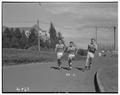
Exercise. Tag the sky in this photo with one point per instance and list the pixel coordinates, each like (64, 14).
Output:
(76, 21)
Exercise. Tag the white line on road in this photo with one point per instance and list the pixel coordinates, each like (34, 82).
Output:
(68, 74)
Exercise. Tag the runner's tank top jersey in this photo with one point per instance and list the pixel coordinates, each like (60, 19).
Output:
(71, 49)
(60, 47)
(92, 48)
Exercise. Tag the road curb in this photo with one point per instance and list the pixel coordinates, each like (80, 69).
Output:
(99, 84)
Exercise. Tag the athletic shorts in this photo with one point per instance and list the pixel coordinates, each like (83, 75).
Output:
(59, 55)
(90, 55)
(71, 56)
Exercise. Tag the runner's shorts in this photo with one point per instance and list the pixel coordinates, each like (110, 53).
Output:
(90, 55)
(59, 55)
(71, 56)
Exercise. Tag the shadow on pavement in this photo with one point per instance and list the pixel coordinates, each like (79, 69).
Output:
(56, 68)
(66, 68)
(97, 89)
(80, 69)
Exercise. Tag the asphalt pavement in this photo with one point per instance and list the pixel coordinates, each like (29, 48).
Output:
(45, 77)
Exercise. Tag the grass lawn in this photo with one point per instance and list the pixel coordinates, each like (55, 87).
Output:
(19, 56)
(24, 56)
(107, 69)
(109, 78)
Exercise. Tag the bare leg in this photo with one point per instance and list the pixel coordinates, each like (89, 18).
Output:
(91, 61)
(70, 62)
(59, 62)
(87, 62)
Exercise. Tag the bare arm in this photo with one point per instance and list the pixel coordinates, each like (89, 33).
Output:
(88, 46)
(96, 47)
(76, 51)
(56, 48)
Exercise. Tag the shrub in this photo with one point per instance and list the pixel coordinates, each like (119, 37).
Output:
(82, 52)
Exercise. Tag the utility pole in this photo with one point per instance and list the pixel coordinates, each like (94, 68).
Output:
(114, 37)
(38, 35)
(96, 34)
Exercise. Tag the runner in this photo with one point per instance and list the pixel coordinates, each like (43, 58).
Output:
(92, 47)
(59, 50)
(72, 51)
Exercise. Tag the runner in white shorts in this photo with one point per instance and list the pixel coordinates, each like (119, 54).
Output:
(72, 51)
(92, 47)
(59, 49)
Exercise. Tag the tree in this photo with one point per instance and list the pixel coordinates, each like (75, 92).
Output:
(18, 36)
(18, 33)
(53, 37)
(12, 30)
(24, 40)
(6, 38)
(14, 42)
(32, 40)
(60, 37)
(5, 41)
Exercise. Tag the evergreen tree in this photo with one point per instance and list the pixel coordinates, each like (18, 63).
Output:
(18, 36)
(14, 42)
(60, 37)
(6, 38)
(24, 40)
(53, 37)
(32, 40)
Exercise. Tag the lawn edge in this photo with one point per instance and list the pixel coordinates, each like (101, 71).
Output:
(100, 86)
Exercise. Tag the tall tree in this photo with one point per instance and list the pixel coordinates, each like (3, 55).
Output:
(18, 33)
(18, 36)
(53, 37)
(24, 40)
(32, 40)
(6, 38)
(14, 42)
(60, 37)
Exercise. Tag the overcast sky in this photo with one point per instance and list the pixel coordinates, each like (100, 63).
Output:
(76, 21)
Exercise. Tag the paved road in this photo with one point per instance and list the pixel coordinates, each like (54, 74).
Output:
(44, 77)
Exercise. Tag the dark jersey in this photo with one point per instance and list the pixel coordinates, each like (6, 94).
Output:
(92, 48)
(71, 50)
